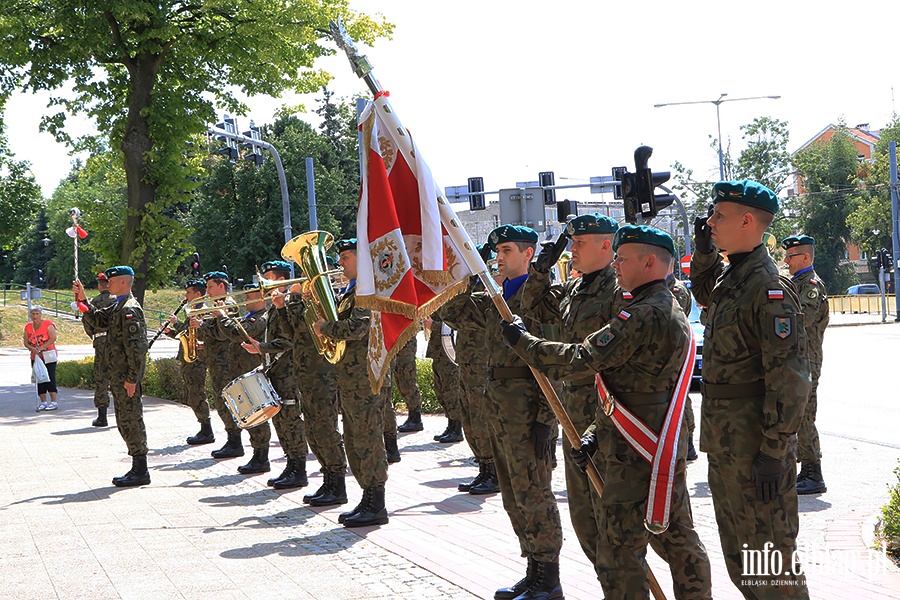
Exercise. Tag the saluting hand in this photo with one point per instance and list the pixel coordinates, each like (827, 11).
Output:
(703, 242)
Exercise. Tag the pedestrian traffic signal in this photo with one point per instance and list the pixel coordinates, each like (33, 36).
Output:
(886, 260)
(638, 189)
(548, 179)
(476, 200)
(195, 265)
(228, 125)
(565, 209)
(255, 154)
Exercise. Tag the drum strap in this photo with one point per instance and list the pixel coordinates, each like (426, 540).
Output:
(661, 450)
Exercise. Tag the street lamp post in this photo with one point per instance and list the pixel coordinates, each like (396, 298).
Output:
(718, 102)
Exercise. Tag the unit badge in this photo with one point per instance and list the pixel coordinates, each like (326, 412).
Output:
(782, 327)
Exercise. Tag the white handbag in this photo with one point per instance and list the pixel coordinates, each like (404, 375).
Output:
(40, 371)
(50, 356)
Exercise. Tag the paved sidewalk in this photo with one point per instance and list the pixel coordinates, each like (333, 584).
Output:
(201, 530)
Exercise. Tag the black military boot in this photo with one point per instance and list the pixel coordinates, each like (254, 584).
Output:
(100, 421)
(390, 446)
(438, 437)
(232, 448)
(489, 485)
(373, 513)
(804, 471)
(692, 452)
(362, 502)
(138, 475)
(544, 583)
(288, 467)
(259, 463)
(335, 495)
(296, 478)
(465, 487)
(454, 433)
(508, 593)
(814, 483)
(413, 422)
(323, 489)
(204, 436)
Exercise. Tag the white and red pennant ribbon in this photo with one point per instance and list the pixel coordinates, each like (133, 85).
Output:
(660, 450)
(412, 266)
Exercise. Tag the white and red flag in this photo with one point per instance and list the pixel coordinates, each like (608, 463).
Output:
(412, 266)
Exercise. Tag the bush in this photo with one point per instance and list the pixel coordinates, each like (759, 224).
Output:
(425, 379)
(77, 374)
(889, 533)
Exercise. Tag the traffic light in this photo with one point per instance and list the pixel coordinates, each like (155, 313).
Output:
(255, 155)
(475, 185)
(195, 264)
(638, 189)
(886, 259)
(37, 278)
(229, 125)
(548, 179)
(565, 209)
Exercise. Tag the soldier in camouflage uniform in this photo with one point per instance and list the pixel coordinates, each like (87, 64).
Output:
(523, 423)
(101, 368)
(126, 355)
(362, 411)
(683, 297)
(576, 309)
(389, 419)
(319, 404)
(755, 386)
(193, 373)
(254, 325)
(404, 372)
(640, 353)
(814, 303)
(446, 384)
(277, 346)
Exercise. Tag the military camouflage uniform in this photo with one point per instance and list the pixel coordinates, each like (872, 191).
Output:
(515, 402)
(362, 411)
(446, 374)
(318, 392)
(756, 383)
(219, 362)
(98, 335)
(239, 362)
(576, 309)
(471, 355)
(814, 303)
(193, 374)
(126, 355)
(683, 297)
(278, 347)
(403, 368)
(388, 416)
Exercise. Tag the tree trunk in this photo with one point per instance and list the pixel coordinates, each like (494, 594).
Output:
(136, 147)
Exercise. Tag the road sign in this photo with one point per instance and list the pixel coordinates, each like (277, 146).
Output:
(686, 264)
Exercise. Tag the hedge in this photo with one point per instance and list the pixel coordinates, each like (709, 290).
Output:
(162, 380)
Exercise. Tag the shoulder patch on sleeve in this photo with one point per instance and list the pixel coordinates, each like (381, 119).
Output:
(624, 315)
(627, 296)
(776, 294)
(783, 327)
(812, 294)
(129, 315)
(605, 337)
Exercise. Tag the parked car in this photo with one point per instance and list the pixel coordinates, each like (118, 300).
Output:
(863, 289)
(698, 328)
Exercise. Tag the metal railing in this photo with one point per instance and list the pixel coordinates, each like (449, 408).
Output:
(866, 303)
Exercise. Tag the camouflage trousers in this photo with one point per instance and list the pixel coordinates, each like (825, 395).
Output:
(524, 479)
(193, 375)
(261, 435)
(689, 421)
(101, 374)
(404, 371)
(581, 404)
(318, 402)
(290, 429)
(808, 448)
(446, 386)
(129, 416)
(621, 548)
(746, 525)
(473, 407)
(363, 419)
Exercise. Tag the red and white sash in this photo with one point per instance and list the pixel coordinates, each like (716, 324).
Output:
(659, 450)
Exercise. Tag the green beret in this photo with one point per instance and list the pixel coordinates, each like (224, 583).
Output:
(251, 286)
(641, 234)
(595, 223)
(797, 240)
(512, 233)
(275, 265)
(347, 244)
(195, 283)
(216, 275)
(746, 192)
(118, 271)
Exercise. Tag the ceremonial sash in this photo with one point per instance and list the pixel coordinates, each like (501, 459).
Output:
(658, 450)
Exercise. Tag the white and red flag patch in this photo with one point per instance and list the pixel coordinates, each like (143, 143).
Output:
(776, 294)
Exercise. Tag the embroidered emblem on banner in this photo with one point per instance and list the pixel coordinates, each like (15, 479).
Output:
(389, 262)
(776, 294)
(782, 327)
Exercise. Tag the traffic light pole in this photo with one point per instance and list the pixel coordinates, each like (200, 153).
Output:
(895, 219)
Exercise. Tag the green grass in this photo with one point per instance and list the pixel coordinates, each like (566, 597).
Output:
(13, 322)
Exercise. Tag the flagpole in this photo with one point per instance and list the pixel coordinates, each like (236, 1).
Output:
(469, 252)
(75, 213)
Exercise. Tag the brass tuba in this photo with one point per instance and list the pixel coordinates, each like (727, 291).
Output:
(308, 251)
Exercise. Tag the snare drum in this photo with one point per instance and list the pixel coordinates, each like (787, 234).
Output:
(251, 399)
